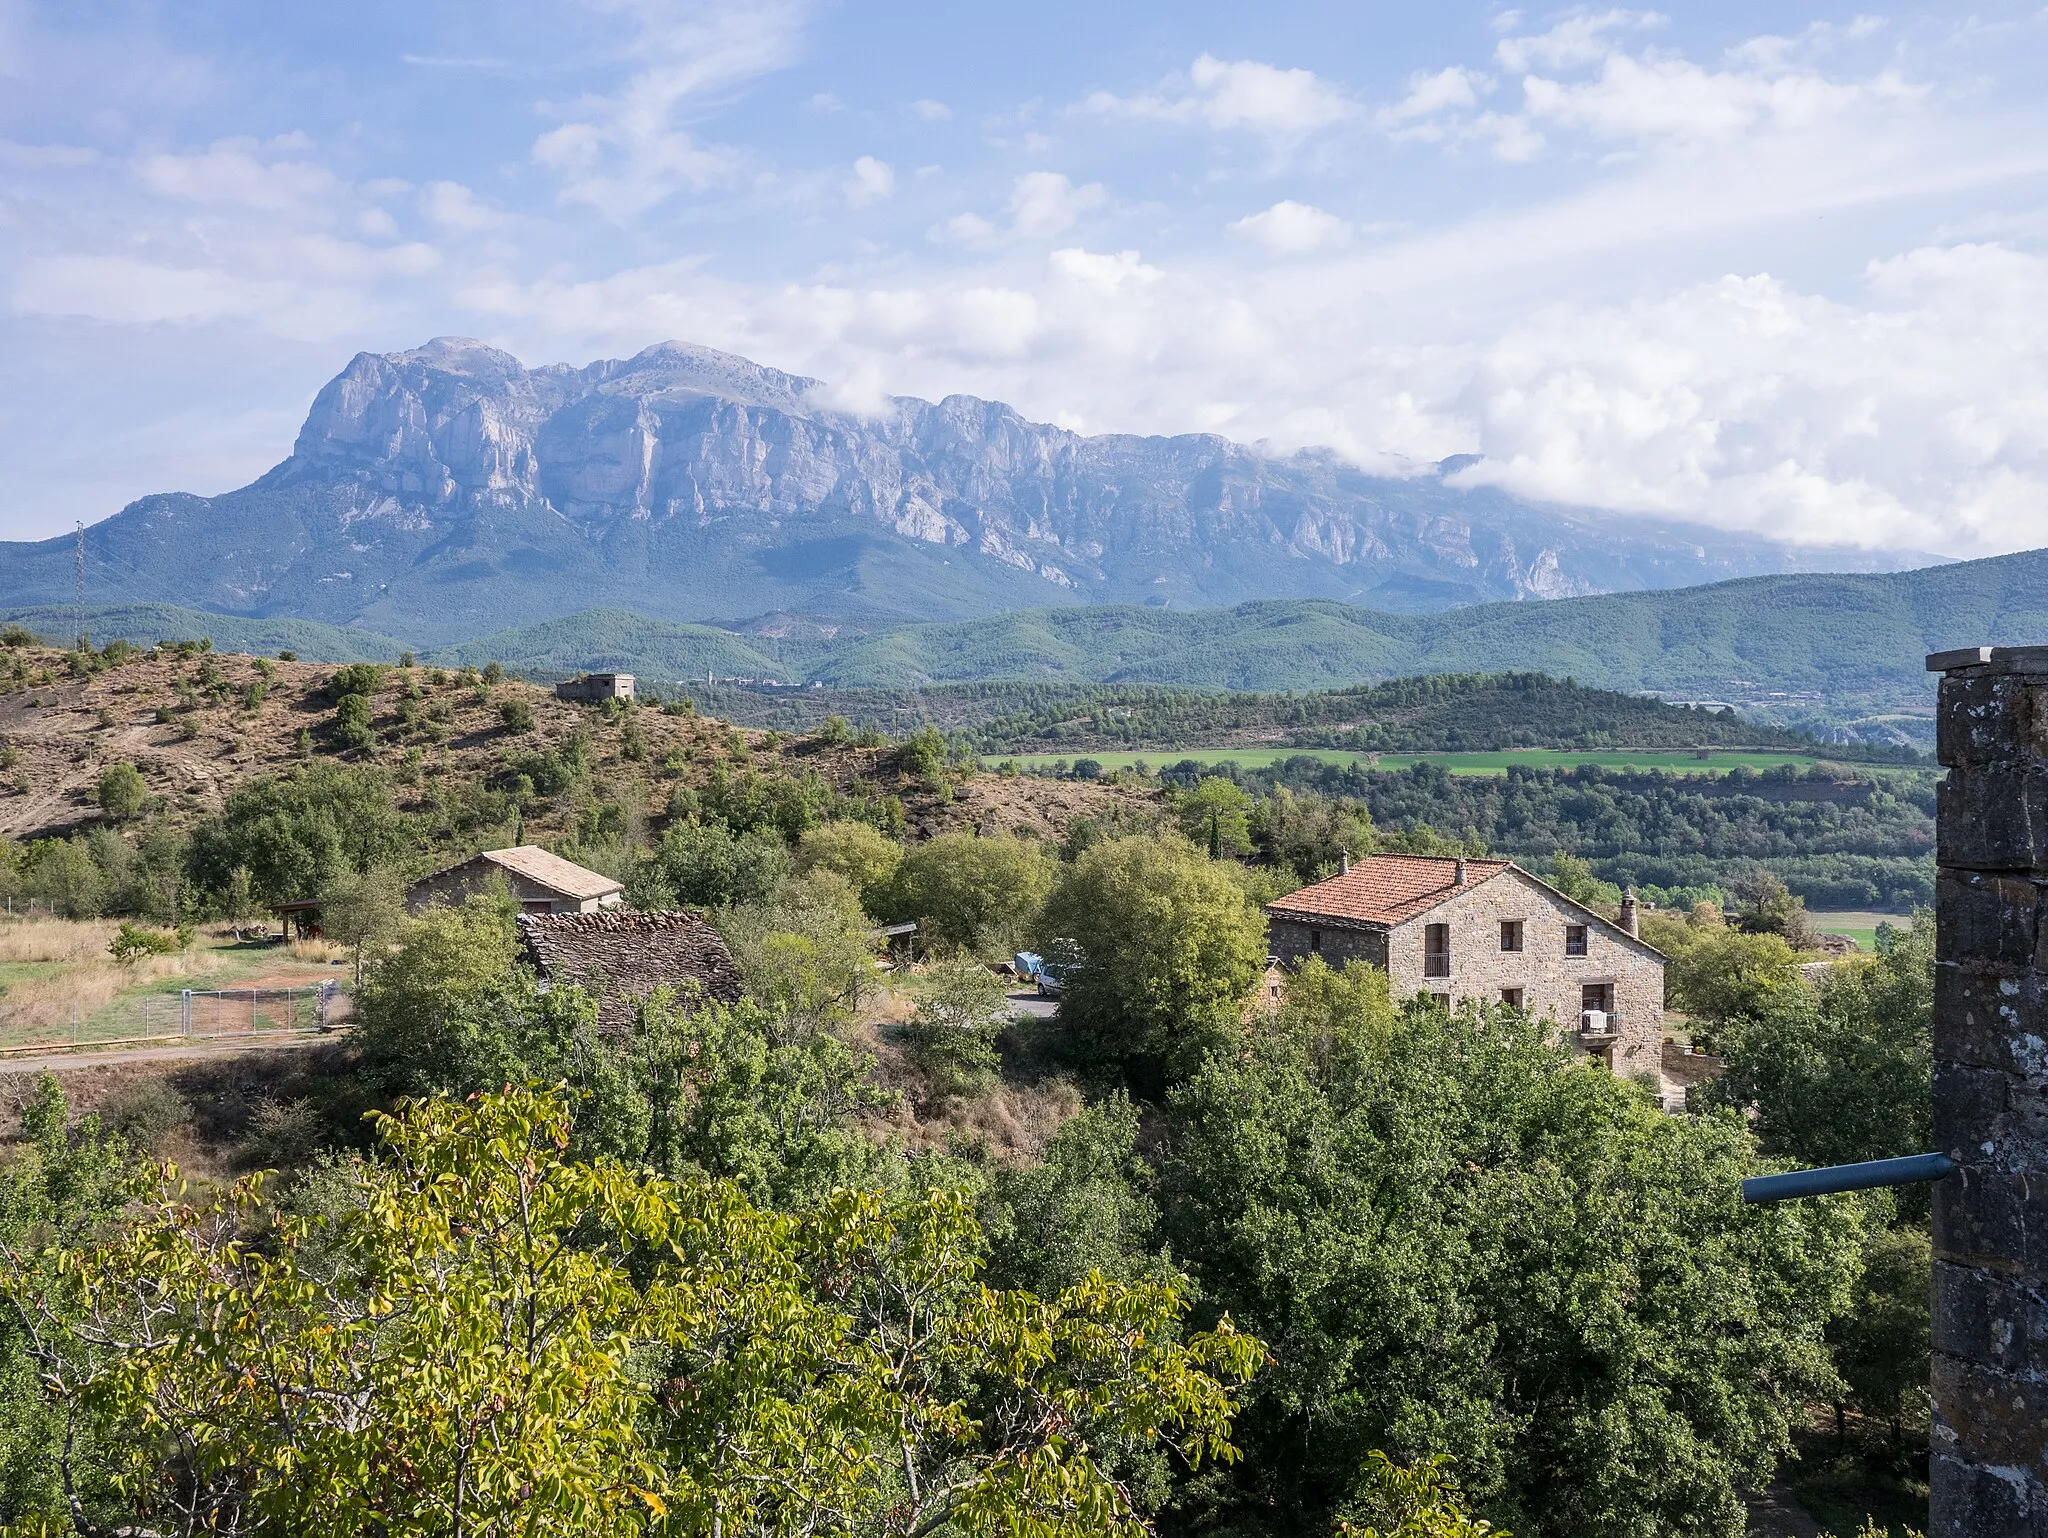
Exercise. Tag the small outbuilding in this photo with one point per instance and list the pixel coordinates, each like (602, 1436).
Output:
(619, 956)
(540, 882)
(596, 687)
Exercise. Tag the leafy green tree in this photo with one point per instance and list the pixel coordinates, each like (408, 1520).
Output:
(61, 1183)
(1216, 815)
(358, 678)
(1767, 907)
(1172, 949)
(1415, 1502)
(1843, 1073)
(1309, 835)
(864, 855)
(60, 874)
(1574, 877)
(463, 1346)
(1882, 1342)
(122, 792)
(436, 1015)
(730, 1092)
(294, 831)
(976, 894)
(352, 722)
(1727, 974)
(1339, 1016)
(961, 1008)
(705, 865)
(1463, 1242)
(1085, 1207)
(922, 755)
(806, 955)
(362, 910)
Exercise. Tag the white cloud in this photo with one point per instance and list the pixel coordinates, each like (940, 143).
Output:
(235, 171)
(1582, 38)
(872, 181)
(456, 210)
(926, 110)
(1236, 94)
(1042, 204)
(1289, 228)
(626, 152)
(1429, 95)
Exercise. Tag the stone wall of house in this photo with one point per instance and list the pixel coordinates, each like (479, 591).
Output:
(1295, 942)
(1990, 1372)
(1549, 979)
(449, 887)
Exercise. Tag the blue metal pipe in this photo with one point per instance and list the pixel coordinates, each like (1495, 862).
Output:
(1846, 1177)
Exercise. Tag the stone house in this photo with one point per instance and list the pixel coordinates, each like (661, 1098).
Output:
(1486, 930)
(593, 687)
(540, 882)
(618, 955)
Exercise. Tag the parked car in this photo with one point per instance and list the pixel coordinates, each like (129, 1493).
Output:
(1062, 960)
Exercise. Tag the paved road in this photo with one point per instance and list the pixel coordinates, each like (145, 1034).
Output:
(1025, 1001)
(57, 1062)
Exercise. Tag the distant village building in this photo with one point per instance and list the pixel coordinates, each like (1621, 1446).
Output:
(596, 686)
(540, 882)
(618, 956)
(1486, 930)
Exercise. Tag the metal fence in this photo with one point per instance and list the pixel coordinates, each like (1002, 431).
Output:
(193, 1014)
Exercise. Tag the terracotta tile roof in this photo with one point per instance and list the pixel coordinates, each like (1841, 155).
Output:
(552, 871)
(1385, 889)
(619, 955)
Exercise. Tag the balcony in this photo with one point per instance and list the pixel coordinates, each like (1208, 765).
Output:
(1598, 1028)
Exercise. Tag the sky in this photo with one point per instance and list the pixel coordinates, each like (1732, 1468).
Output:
(1769, 268)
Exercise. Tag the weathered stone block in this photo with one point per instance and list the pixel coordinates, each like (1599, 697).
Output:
(1985, 917)
(2001, 1418)
(1996, 1219)
(1993, 819)
(1988, 1016)
(1979, 1317)
(1979, 1111)
(1985, 719)
(1969, 1502)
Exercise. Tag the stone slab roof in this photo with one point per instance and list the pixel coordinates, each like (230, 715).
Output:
(1385, 889)
(548, 870)
(619, 955)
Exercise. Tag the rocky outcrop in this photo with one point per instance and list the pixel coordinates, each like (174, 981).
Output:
(450, 489)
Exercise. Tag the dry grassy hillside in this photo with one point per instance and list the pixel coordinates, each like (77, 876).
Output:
(196, 724)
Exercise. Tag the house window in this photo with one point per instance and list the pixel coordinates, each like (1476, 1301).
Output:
(1510, 934)
(1436, 950)
(536, 905)
(1315, 941)
(1512, 997)
(1442, 1001)
(1598, 996)
(1575, 939)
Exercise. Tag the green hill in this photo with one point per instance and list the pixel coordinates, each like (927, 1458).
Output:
(148, 623)
(616, 641)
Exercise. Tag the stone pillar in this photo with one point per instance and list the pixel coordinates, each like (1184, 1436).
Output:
(1990, 1375)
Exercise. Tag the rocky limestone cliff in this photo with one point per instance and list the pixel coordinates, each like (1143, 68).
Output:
(447, 490)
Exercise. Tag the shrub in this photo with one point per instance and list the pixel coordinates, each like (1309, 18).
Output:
(133, 942)
(123, 793)
(960, 1010)
(517, 716)
(356, 678)
(975, 893)
(145, 1113)
(352, 728)
(494, 672)
(287, 656)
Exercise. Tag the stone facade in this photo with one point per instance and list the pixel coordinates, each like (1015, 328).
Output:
(538, 881)
(1990, 1370)
(1544, 978)
(592, 687)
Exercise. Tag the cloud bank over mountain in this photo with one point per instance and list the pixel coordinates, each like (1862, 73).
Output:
(1790, 285)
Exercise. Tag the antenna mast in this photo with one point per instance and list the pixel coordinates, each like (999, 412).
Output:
(78, 637)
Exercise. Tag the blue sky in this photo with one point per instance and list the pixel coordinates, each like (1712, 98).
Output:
(1764, 267)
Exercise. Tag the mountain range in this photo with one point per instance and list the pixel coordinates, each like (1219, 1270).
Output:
(449, 491)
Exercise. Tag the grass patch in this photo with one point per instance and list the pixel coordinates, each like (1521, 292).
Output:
(1860, 1479)
(1858, 926)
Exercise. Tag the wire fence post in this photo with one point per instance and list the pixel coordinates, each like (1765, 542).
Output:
(187, 1012)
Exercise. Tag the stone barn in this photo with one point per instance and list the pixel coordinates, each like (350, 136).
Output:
(618, 956)
(1486, 930)
(540, 882)
(595, 687)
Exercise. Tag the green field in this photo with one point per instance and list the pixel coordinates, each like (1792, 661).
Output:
(1860, 927)
(1707, 761)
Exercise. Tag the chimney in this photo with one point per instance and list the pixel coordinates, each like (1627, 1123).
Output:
(1459, 878)
(1989, 1476)
(1629, 919)
(1343, 862)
